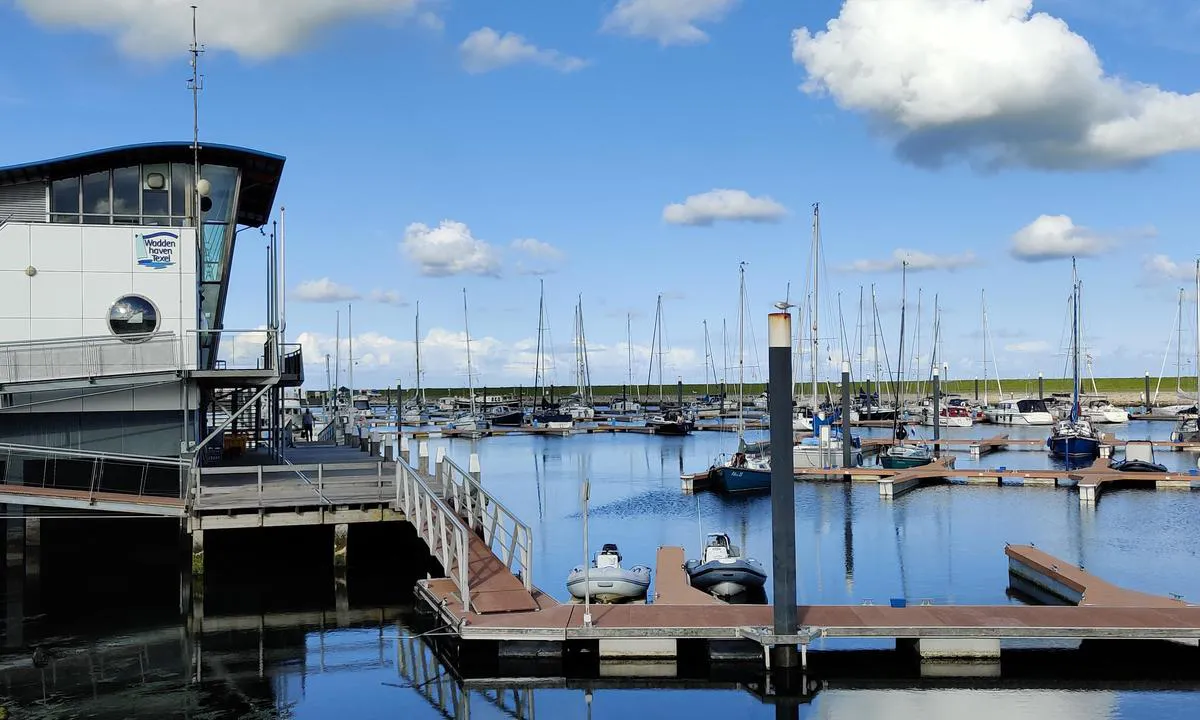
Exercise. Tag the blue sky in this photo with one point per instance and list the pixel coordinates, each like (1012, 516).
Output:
(436, 145)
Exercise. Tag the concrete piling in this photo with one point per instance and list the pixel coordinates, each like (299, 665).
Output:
(423, 456)
(341, 533)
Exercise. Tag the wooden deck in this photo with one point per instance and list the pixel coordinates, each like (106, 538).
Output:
(125, 503)
(679, 612)
(1088, 588)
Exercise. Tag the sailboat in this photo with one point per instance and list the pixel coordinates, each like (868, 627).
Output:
(580, 404)
(672, 421)
(1187, 430)
(546, 413)
(414, 412)
(749, 470)
(472, 420)
(625, 406)
(900, 456)
(1074, 438)
(814, 452)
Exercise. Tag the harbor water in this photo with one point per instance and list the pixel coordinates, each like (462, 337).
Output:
(102, 633)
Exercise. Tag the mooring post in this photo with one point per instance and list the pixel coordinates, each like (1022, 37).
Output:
(1146, 405)
(405, 452)
(437, 464)
(341, 533)
(474, 469)
(847, 456)
(198, 553)
(679, 392)
(1041, 386)
(783, 485)
(937, 412)
(423, 457)
(976, 389)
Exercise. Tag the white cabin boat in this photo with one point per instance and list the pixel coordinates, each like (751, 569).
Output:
(1022, 411)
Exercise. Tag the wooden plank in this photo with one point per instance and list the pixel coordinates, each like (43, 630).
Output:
(671, 585)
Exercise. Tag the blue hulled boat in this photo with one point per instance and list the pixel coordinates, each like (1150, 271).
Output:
(1074, 438)
(749, 470)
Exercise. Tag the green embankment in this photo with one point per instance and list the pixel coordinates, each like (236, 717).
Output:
(962, 387)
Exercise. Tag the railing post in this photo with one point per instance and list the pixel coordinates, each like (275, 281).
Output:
(320, 477)
(463, 587)
(259, 469)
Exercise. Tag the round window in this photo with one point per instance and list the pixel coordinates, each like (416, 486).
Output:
(132, 318)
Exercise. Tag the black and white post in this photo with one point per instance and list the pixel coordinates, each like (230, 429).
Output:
(783, 485)
(1041, 386)
(847, 458)
(937, 410)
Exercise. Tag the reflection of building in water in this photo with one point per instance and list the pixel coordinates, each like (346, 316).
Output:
(1007, 704)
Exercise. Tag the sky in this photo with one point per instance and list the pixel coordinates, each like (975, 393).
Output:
(619, 150)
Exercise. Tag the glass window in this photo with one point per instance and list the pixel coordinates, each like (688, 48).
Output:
(132, 318)
(223, 184)
(64, 198)
(95, 194)
(181, 185)
(155, 188)
(127, 192)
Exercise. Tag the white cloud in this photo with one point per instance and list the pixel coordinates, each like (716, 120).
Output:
(1029, 346)
(254, 29)
(449, 249)
(670, 22)
(387, 297)
(991, 82)
(1159, 267)
(917, 262)
(324, 291)
(1052, 237)
(537, 248)
(735, 205)
(485, 50)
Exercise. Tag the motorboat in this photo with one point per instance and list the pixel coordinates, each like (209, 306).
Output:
(605, 581)
(902, 457)
(551, 416)
(749, 470)
(626, 406)
(1022, 411)
(1139, 457)
(671, 422)
(949, 416)
(1102, 411)
(813, 452)
(722, 571)
(469, 422)
(1187, 430)
(505, 416)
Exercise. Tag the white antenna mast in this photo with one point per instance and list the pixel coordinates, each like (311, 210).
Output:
(196, 84)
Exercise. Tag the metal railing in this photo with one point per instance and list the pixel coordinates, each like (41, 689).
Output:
(436, 524)
(88, 357)
(506, 536)
(92, 471)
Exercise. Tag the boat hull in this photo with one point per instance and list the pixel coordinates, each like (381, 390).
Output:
(1073, 447)
(1137, 466)
(609, 584)
(670, 428)
(813, 456)
(726, 578)
(902, 463)
(512, 419)
(742, 480)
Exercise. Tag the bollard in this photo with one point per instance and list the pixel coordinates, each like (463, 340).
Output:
(783, 486)
(389, 447)
(373, 446)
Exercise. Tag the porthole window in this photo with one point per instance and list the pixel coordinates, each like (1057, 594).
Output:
(133, 318)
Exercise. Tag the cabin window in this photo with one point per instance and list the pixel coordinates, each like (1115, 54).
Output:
(97, 203)
(132, 318)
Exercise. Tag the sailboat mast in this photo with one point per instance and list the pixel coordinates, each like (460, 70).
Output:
(741, 344)
(983, 307)
(816, 303)
(860, 334)
(350, 336)
(707, 356)
(337, 359)
(420, 396)
(467, 330)
(1074, 342)
(900, 354)
(629, 347)
(1198, 331)
(538, 365)
(658, 333)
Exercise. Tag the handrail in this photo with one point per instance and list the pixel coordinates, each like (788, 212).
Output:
(93, 455)
(437, 525)
(487, 514)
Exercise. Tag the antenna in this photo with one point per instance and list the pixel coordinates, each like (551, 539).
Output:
(196, 84)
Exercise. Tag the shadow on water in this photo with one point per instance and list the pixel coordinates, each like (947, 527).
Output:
(111, 627)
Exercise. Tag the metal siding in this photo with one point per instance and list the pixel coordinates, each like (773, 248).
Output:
(26, 202)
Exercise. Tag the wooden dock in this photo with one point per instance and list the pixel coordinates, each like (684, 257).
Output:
(1074, 585)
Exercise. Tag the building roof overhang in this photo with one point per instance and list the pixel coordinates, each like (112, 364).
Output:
(261, 171)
